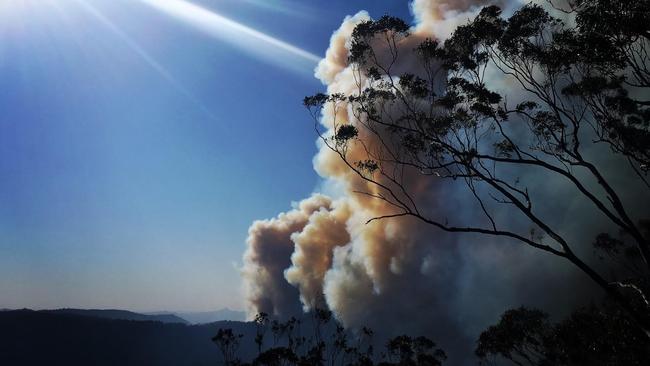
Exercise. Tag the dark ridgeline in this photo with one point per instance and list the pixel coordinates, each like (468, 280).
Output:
(55, 338)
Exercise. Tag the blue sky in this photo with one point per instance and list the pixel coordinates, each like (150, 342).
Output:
(135, 150)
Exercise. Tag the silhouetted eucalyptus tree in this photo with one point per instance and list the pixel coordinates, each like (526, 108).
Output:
(407, 351)
(578, 85)
(228, 343)
(596, 336)
(261, 325)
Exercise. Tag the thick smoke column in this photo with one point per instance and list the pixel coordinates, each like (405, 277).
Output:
(387, 270)
(268, 255)
(400, 275)
(325, 251)
(314, 248)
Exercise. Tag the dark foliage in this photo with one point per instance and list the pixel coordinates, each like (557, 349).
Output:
(327, 344)
(595, 336)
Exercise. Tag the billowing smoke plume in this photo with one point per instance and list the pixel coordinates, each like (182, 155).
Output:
(314, 248)
(268, 255)
(399, 274)
(439, 18)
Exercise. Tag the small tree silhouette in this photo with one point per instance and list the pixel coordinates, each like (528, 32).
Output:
(228, 342)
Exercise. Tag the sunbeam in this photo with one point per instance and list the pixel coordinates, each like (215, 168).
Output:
(233, 32)
(136, 48)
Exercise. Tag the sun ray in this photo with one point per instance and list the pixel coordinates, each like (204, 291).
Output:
(142, 53)
(233, 32)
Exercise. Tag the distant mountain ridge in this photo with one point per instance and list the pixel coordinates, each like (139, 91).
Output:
(183, 317)
(206, 317)
(119, 315)
(77, 338)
